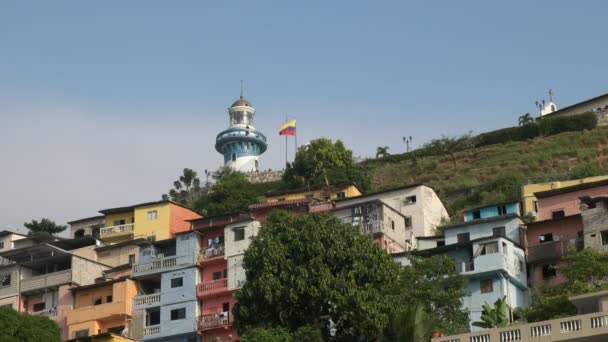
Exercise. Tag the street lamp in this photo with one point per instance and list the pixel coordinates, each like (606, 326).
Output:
(407, 142)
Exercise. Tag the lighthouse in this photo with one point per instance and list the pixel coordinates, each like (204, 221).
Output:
(241, 143)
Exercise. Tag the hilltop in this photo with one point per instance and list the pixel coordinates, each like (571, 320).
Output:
(494, 173)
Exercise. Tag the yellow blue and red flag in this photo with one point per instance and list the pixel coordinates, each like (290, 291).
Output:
(288, 128)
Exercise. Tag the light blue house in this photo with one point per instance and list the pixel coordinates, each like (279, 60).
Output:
(491, 211)
(489, 254)
(166, 308)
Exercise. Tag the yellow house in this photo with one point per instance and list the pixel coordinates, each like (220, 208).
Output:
(160, 220)
(527, 191)
(101, 308)
(318, 193)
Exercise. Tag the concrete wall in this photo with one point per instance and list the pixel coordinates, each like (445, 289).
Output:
(492, 211)
(484, 229)
(349, 191)
(10, 294)
(232, 247)
(117, 256)
(236, 272)
(84, 272)
(595, 221)
(568, 202)
(181, 326)
(187, 292)
(500, 287)
(8, 241)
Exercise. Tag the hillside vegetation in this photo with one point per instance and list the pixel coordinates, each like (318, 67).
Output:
(494, 173)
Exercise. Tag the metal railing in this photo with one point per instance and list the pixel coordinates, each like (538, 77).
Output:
(214, 320)
(212, 251)
(149, 299)
(123, 228)
(371, 227)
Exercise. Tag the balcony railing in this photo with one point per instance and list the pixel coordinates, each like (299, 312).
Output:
(213, 321)
(120, 229)
(551, 250)
(161, 264)
(152, 330)
(46, 280)
(146, 300)
(212, 287)
(212, 252)
(465, 266)
(371, 227)
(563, 329)
(52, 312)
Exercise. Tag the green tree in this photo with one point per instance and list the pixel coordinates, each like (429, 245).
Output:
(410, 323)
(525, 119)
(18, 327)
(44, 227)
(434, 282)
(186, 190)
(302, 334)
(323, 162)
(451, 145)
(231, 194)
(311, 270)
(382, 151)
(494, 317)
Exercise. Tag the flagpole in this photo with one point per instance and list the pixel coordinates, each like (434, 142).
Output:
(285, 145)
(295, 143)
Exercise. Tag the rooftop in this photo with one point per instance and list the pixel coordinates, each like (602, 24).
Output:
(481, 221)
(567, 189)
(578, 104)
(404, 187)
(129, 208)
(98, 217)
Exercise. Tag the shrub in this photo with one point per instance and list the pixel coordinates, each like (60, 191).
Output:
(550, 126)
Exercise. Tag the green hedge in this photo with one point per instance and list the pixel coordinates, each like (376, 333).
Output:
(557, 125)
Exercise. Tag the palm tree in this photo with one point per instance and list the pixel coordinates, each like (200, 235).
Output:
(525, 119)
(412, 324)
(494, 317)
(382, 151)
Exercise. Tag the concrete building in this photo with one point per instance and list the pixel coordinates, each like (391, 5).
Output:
(590, 325)
(86, 226)
(566, 201)
(158, 220)
(597, 105)
(166, 307)
(418, 203)
(489, 253)
(316, 194)
(103, 337)
(491, 211)
(595, 222)
(241, 144)
(529, 201)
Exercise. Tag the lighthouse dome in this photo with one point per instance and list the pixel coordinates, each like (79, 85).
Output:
(241, 102)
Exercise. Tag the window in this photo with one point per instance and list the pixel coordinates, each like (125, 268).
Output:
(487, 248)
(604, 241)
(408, 221)
(485, 286)
(234, 157)
(392, 224)
(440, 243)
(131, 259)
(545, 238)
(152, 215)
(549, 271)
(81, 333)
(109, 299)
(239, 233)
(117, 330)
(226, 307)
(119, 222)
(536, 206)
(463, 237)
(177, 282)
(476, 214)
(217, 275)
(498, 231)
(502, 210)
(97, 301)
(341, 195)
(178, 314)
(559, 214)
(38, 307)
(409, 200)
(1, 244)
(5, 279)
(148, 251)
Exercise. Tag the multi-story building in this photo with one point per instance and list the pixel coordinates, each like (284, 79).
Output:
(153, 220)
(595, 222)
(529, 200)
(86, 226)
(418, 203)
(103, 337)
(489, 253)
(387, 227)
(166, 306)
(316, 194)
(590, 325)
(566, 201)
(492, 211)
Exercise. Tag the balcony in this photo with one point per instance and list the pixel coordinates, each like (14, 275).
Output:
(46, 280)
(116, 232)
(213, 321)
(212, 287)
(550, 250)
(590, 327)
(145, 301)
(162, 265)
(50, 313)
(371, 227)
(211, 252)
(151, 330)
(98, 312)
(465, 266)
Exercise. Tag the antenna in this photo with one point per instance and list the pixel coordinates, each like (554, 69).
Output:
(241, 88)
(551, 93)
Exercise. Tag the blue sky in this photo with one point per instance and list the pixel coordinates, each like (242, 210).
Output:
(103, 103)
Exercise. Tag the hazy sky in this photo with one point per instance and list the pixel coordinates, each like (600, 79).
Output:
(102, 104)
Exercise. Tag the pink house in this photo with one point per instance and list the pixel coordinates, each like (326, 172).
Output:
(558, 203)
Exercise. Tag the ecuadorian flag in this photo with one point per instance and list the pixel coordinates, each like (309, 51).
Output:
(289, 128)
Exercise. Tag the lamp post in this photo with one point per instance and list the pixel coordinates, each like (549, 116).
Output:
(207, 174)
(407, 142)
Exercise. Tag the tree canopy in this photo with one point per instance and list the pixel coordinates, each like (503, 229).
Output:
(450, 145)
(494, 316)
(302, 334)
(44, 226)
(186, 190)
(232, 193)
(323, 162)
(311, 270)
(18, 327)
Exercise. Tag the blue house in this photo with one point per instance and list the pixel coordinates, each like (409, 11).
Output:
(166, 308)
(489, 254)
(492, 211)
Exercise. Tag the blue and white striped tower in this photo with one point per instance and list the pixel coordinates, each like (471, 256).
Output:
(241, 144)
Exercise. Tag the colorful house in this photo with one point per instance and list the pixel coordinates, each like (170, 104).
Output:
(103, 337)
(491, 211)
(153, 220)
(317, 194)
(566, 201)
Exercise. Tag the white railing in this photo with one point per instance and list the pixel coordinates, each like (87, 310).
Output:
(540, 330)
(570, 326)
(152, 330)
(480, 338)
(123, 228)
(150, 299)
(161, 264)
(511, 335)
(599, 322)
